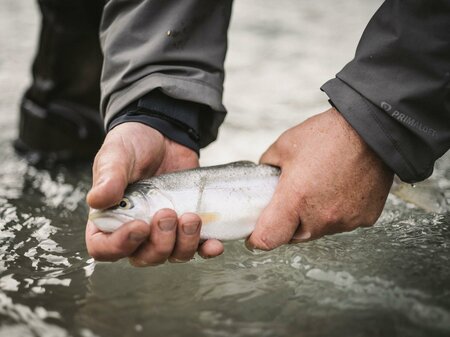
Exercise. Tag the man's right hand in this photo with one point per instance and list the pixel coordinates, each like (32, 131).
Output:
(133, 151)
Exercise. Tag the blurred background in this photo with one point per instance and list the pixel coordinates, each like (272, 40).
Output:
(389, 280)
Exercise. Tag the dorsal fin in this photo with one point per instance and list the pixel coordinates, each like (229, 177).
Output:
(245, 163)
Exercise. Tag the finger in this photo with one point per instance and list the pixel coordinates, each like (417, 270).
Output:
(111, 172)
(210, 248)
(310, 230)
(188, 238)
(114, 246)
(270, 157)
(161, 242)
(302, 235)
(278, 221)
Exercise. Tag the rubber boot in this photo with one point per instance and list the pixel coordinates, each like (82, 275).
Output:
(59, 118)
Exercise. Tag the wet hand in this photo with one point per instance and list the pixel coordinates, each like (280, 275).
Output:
(331, 182)
(133, 151)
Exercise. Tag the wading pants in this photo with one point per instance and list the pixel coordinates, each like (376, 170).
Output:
(59, 117)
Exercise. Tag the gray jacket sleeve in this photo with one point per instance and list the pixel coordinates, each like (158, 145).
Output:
(175, 46)
(396, 91)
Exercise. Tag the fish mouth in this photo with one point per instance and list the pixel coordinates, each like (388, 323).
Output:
(108, 222)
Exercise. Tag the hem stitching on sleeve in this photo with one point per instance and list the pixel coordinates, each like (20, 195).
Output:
(392, 140)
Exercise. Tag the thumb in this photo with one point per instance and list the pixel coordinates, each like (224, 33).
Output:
(278, 221)
(111, 171)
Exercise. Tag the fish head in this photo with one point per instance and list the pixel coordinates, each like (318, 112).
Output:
(133, 206)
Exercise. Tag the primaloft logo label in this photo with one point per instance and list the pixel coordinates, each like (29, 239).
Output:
(408, 120)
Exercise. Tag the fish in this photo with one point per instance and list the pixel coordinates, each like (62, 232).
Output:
(228, 198)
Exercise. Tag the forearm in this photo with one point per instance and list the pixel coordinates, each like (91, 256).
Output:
(177, 47)
(395, 92)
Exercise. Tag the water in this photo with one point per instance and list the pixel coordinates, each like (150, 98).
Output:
(390, 280)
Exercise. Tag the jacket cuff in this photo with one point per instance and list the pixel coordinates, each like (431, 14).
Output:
(382, 133)
(176, 119)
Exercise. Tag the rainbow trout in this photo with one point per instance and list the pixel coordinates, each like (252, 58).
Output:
(228, 198)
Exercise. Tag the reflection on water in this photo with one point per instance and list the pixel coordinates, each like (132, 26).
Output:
(392, 279)
(387, 280)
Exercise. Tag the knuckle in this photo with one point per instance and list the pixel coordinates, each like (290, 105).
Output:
(122, 249)
(330, 216)
(185, 254)
(102, 256)
(162, 251)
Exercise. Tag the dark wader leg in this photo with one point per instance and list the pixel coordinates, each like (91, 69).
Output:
(59, 117)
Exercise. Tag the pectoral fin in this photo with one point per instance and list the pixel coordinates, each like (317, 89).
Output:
(208, 217)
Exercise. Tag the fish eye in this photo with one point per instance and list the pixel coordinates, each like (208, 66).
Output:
(125, 203)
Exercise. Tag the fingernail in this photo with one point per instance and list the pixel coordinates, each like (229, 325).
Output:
(190, 228)
(249, 246)
(137, 237)
(302, 237)
(167, 225)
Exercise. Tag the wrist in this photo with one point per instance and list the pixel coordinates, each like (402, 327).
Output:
(176, 119)
(356, 141)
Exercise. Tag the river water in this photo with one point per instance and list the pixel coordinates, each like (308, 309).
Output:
(389, 280)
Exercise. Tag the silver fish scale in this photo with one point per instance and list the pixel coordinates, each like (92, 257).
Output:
(228, 198)
(201, 176)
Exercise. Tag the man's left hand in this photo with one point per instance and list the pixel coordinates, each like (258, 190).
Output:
(331, 182)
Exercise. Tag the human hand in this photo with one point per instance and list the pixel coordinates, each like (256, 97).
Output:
(331, 182)
(133, 151)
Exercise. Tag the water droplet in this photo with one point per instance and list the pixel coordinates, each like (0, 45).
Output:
(413, 185)
(169, 32)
